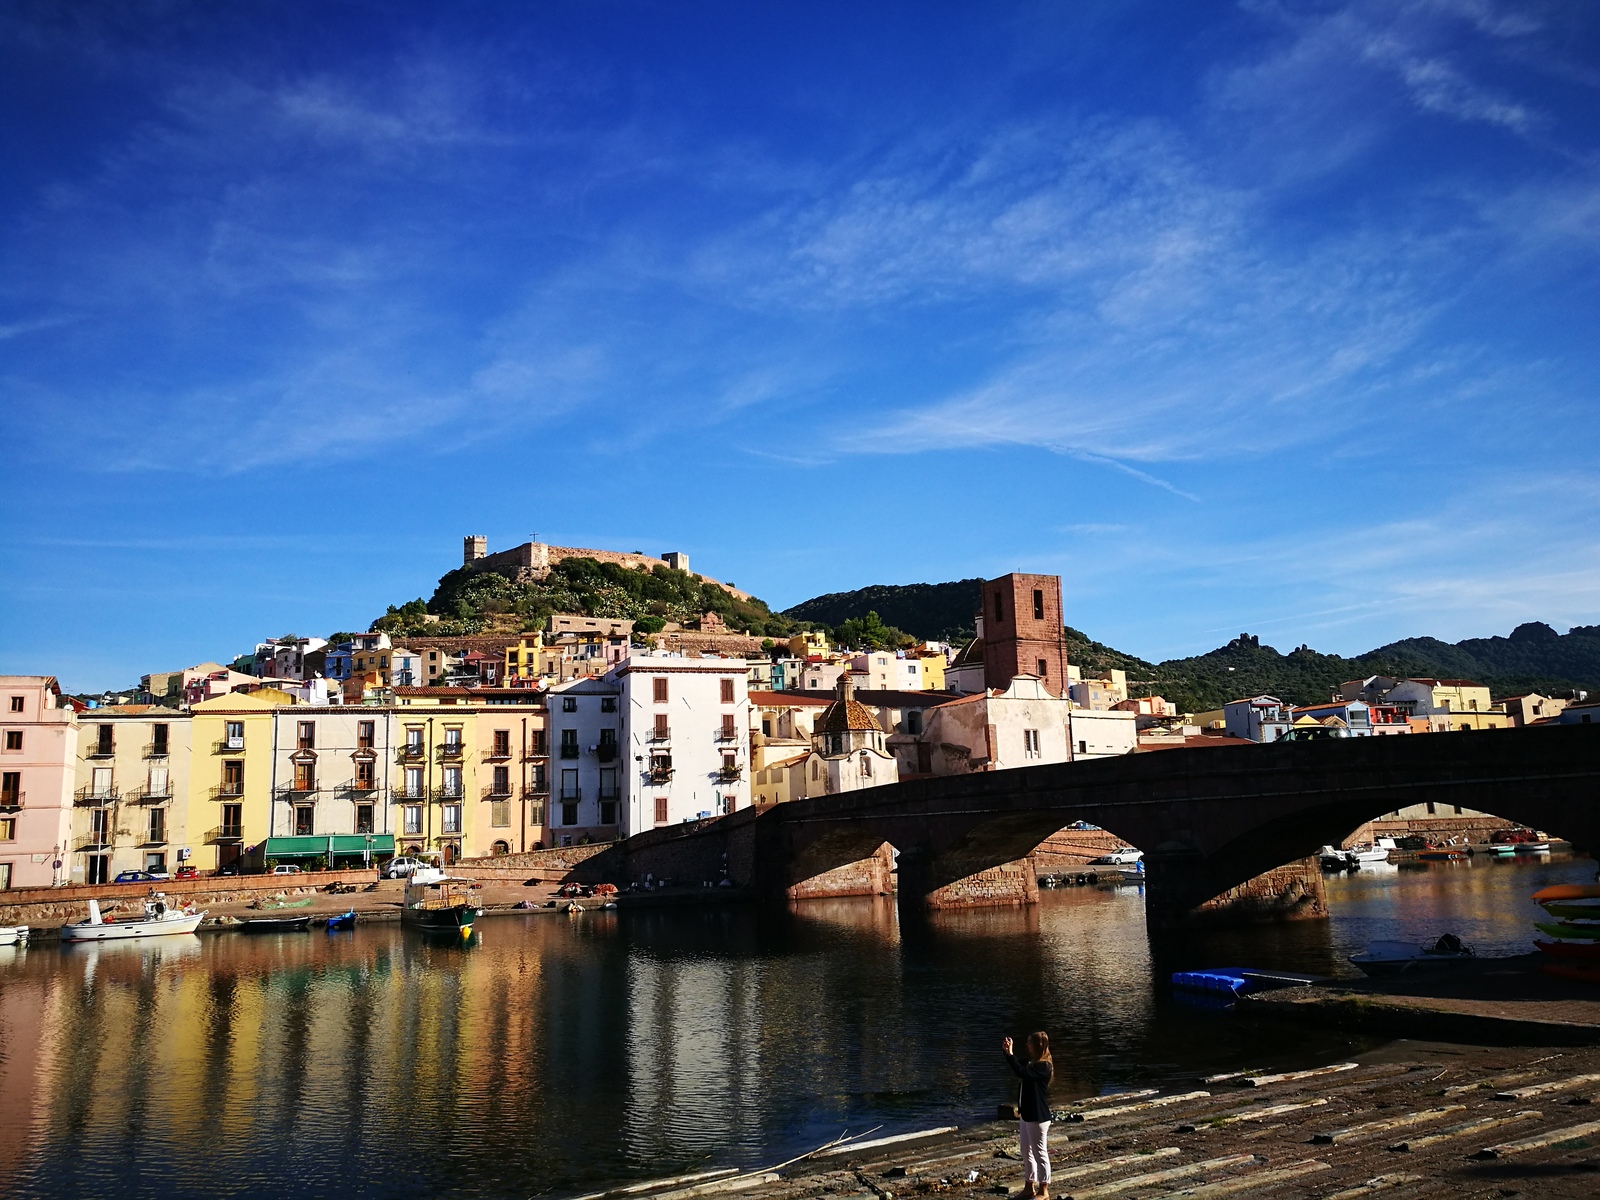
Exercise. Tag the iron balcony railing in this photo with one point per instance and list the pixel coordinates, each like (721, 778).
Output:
(414, 750)
(448, 794)
(606, 752)
(728, 774)
(95, 841)
(536, 789)
(226, 833)
(660, 774)
(228, 745)
(498, 754)
(452, 749)
(151, 796)
(157, 750)
(496, 792)
(94, 796)
(404, 793)
(661, 733)
(12, 800)
(228, 791)
(727, 735)
(569, 750)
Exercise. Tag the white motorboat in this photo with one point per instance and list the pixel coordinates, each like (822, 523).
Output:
(1332, 859)
(1371, 854)
(160, 920)
(1394, 958)
(10, 935)
(1533, 848)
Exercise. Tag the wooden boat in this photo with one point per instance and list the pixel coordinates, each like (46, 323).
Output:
(1394, 958)
(160, 919)
(1568, 891)
(275, 924)
(1440, 854)
(436, 903)
(344, 920)
(1583, 951)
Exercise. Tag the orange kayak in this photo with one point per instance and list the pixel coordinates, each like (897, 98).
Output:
(1568, 891)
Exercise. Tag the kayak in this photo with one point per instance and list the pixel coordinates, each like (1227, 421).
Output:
(1569, 932)
(1582, 972)
(1568, 891)
(1583, 951)
(1575, 910)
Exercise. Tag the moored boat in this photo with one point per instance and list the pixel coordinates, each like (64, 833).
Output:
(1370, 854)
(1440, 854)
(10, 935)
(275, 924)
(1573, 910)
(160, 919)
(1567, 891)
(1570, 931)
(1584, 951)
(1395, 957)
(344, 920)
(436, 903)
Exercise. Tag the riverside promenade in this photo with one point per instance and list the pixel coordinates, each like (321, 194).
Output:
(1411, 1119)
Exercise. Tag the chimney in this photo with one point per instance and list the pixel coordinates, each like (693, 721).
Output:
(473, 547)
(847, 686)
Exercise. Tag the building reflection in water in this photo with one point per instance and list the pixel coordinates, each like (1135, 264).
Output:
(558, 1056)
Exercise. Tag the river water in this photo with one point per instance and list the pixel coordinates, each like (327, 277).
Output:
(557, 1055)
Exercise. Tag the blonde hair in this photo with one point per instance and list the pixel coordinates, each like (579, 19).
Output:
(1039, 1043)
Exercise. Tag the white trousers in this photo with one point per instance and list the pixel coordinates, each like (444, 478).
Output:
(1035, 1139)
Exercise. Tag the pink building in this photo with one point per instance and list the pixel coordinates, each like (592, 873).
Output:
(38, 756)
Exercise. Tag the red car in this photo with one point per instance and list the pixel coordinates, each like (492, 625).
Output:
(185, 872)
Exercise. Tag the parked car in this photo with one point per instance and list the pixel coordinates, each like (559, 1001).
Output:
(229, 869)
(286, 869)
(185, 872)
(142, 877)
(401, 866)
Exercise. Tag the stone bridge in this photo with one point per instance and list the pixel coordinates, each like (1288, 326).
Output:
(1209, 819)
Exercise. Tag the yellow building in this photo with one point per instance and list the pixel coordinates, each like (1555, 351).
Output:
(437, 764)
(131, 794)
(1452, 705)
(802, 645)
(932, 671)
(230, 777)
(524, 658)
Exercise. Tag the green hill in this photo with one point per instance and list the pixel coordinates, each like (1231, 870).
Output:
(469, 601)
(1533, 658)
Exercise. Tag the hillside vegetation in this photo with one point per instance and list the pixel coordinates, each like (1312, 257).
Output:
(1533, 658)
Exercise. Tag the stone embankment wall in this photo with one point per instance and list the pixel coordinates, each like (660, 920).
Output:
(53, 906)
(1295, 891)
(1071, 848)
(1439, 828)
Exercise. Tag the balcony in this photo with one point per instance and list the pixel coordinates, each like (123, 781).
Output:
(94, 797)
(295, 791)
(403, 794)
(157, 750)
(11, 801)
(450, 794)
(727, 735)
(536, 789)
(228, 745)
(93, 842)
(569, 750)
(606, 752)
(452, 749)
(661, 733)
(499, 754)
(730, 774)
(101, 750)
(225, 833)
(497, 793)
(228, 791)
(147, 796)
(660, 774)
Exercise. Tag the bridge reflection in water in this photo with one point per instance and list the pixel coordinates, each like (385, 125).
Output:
(559, 1056)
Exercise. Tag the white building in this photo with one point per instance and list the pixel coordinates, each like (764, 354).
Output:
(1257, 718)
(848, 752)
(1093, 733)
(657, 740)
(821, 676)
(331, 774)
(881, 671)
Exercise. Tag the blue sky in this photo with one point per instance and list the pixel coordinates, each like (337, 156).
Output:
(1278, 317)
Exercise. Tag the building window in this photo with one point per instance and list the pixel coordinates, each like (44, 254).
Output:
(105, 744)
(308, 735)
(1083, 747)
(155, 861)
(608, 783)
(452, 739)
(608, 704)
(500, 814)
(1044, 669)
(412, 819)
(541, 743)
(233, 778)
(13, 739)
(999, 606)
(366, 735)
(1030, 743)
(158, 826)
(450, 818)
(305, 820)
(502, 743)
(11, 789)
(232, 821)
(235, 735)
(569, 814)
(366, 776)
(540, 778)
(363, 818)
(16, 704)
(659, 688)
(766, 726)
(158, 741)
(569, 704)
(8, 829)
(727, 691)
(608, 812)
(914, 721)
(569, 784)
(305, 777)
(1038, 605)
(569, 743)
(661, 810)
(452, 783)
(813, 768)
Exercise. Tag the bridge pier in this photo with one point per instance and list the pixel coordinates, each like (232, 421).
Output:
(1179, 894)
(934, 881)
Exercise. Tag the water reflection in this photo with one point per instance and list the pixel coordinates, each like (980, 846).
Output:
(555, 1056)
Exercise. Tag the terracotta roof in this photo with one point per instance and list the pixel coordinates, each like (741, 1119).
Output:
(763, 699)
(889, 698)
(970, 653)
(845, 715)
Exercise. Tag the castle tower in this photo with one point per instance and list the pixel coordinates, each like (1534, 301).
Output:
(1022, 631)
(473, 547)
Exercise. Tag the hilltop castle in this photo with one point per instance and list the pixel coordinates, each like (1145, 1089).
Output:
(533, 560)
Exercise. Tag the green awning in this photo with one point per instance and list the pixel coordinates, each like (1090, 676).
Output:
(338, 843)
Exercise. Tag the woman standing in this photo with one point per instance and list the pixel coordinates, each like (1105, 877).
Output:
(1033, 1107)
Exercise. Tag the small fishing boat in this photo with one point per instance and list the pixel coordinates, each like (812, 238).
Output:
(160, 919)
(436, 903)
(1441, 854)
(344, 920)
(10, 935)
(1533, 848)
(1394, 957)
(1370, 854)
(275, 924)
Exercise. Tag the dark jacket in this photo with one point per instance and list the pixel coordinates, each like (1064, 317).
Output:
(1033, 1101)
